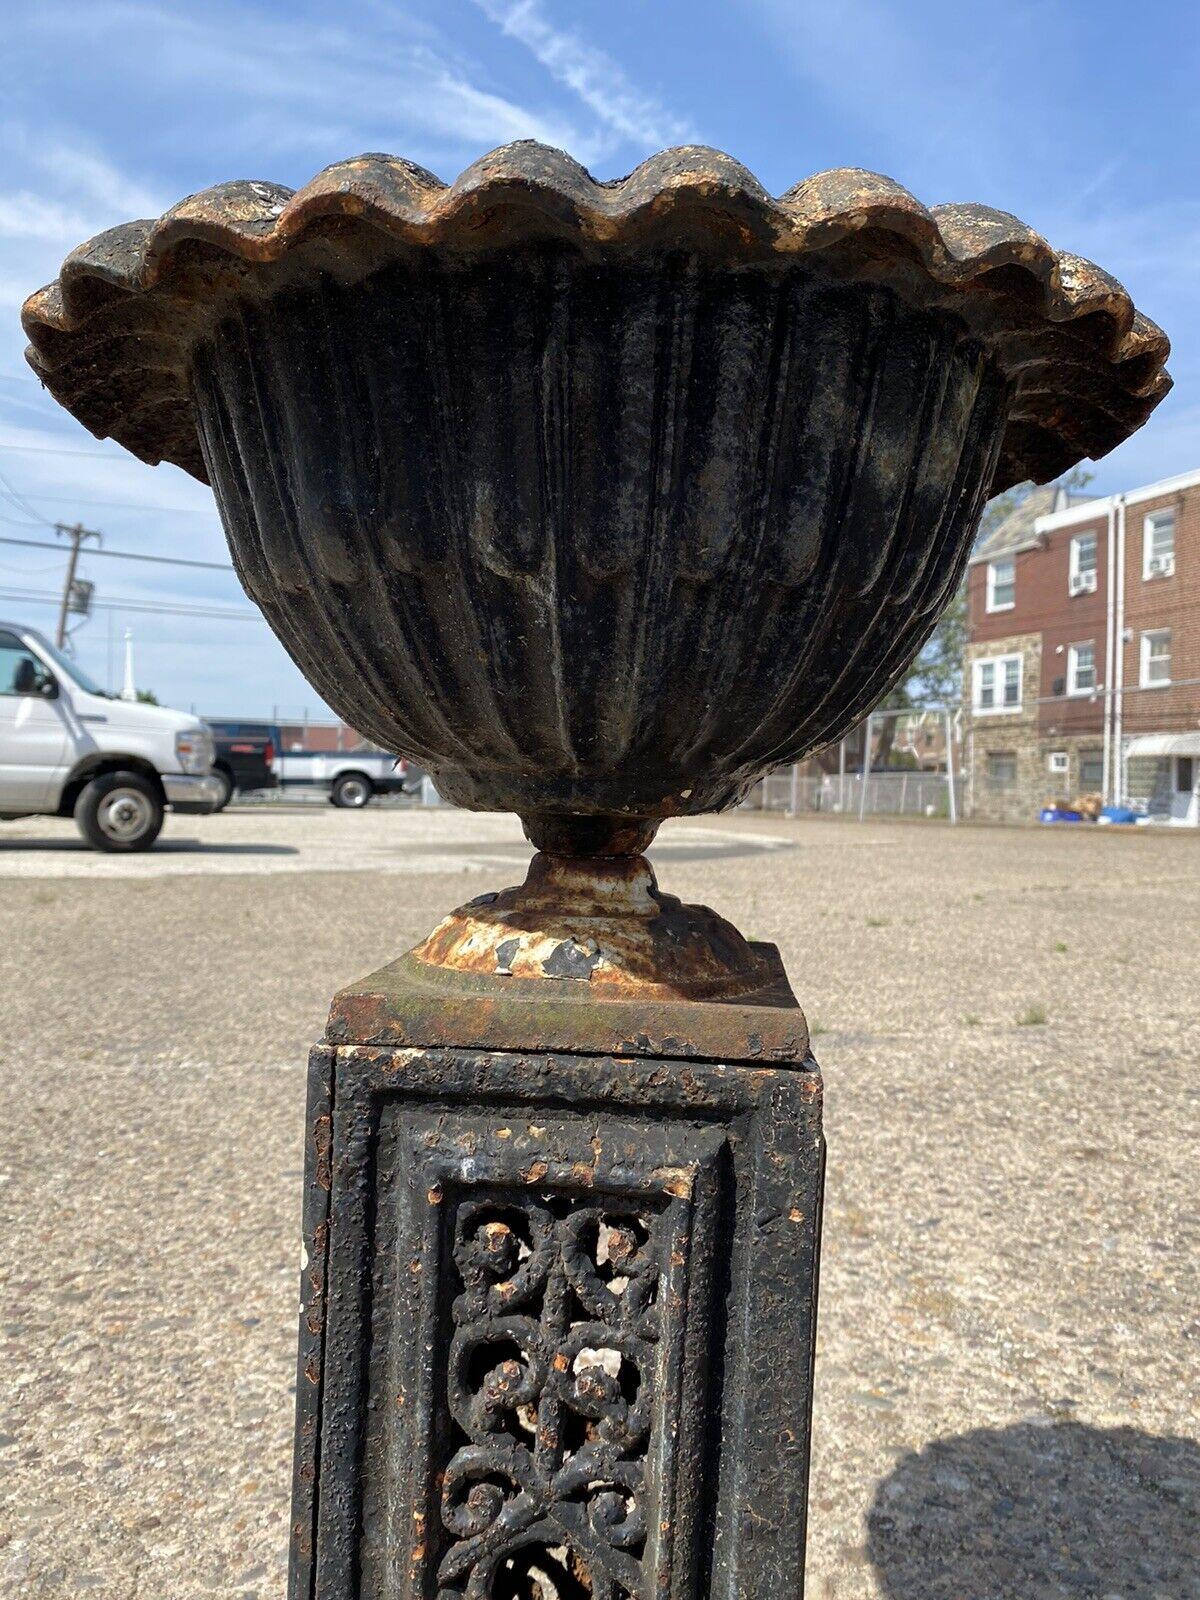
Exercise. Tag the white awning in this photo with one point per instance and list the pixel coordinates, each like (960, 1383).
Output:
(1164, 744)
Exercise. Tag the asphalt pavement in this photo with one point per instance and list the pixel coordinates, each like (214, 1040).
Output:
(1009, 1364)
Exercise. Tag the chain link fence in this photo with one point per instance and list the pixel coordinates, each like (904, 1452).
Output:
(914, 769)
(894, 794)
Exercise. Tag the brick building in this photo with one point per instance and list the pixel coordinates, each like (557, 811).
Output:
(1082, 672)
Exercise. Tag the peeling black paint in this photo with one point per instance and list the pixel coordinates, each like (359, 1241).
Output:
(572, 960)
(466, 1410)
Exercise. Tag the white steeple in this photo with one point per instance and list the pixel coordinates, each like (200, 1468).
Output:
(128, 688)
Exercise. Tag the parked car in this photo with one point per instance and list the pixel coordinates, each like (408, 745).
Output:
(244, 757)
(69, 749)
(352, 778)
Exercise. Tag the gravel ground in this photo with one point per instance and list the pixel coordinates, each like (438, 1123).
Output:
(1009, 1365)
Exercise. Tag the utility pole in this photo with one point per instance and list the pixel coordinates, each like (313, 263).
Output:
(77, 535)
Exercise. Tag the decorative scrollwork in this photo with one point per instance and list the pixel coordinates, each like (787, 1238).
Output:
(551, 1381)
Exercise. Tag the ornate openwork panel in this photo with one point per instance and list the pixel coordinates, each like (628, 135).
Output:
(556, 1342)
(540, 1290)
(552, 1382)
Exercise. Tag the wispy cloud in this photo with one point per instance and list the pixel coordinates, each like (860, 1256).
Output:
(590, 74)
(78, 191)
(298, 86)
(1002, 106)
(89, 174)
(225, 92)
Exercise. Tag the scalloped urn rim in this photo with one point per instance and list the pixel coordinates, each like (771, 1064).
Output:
(1089, 368)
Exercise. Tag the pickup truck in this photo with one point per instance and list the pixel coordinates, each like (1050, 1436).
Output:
(353, 778)
(68, 749)
(243, 757)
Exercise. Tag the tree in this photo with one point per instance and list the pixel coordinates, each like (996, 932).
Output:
(937, 671)
(147, 697)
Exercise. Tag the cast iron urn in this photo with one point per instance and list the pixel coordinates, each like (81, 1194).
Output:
(600, 501)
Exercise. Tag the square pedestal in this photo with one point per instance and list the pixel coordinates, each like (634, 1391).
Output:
(558, 1324)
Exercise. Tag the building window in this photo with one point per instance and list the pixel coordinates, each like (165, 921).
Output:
(1081, 668)
(1082, 578)
(1185, 774)
(1001, 769)
(1091, 770)
(1057, 762)
(1002, 584)
(997, 684)
(1158, 544)
(1156, 657)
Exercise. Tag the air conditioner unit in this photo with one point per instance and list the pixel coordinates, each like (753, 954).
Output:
(1083, 583)
(1161, 566)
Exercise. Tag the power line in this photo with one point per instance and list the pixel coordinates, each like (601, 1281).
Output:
(15, 499)
(152, 608)
(59, 450)
(24, 522)
(1140, 606)
(126, 555)
(20, 500)
(129, 505)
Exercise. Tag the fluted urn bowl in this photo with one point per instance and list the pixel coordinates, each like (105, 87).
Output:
(597, 500)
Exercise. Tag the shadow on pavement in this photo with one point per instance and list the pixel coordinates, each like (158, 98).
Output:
(1043, 1512)
(671, 852)
(162, 847)
(662, 853)
(204, 847)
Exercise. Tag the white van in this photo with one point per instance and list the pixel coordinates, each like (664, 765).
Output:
(69, 749)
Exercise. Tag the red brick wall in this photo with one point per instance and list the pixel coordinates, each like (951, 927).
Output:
(1164, 603)
(1043, 604)
(1066, 619)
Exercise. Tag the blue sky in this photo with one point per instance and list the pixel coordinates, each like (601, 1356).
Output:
(1081, 118)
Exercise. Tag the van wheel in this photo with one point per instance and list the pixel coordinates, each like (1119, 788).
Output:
(352, 790)
(119, 811)
(226, 783)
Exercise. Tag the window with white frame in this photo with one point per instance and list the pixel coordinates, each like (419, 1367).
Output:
(1081, 668)
(1002, 584)
(1091, 770)
(1156, 657)
(1083, 564)
(1001, 769)
(1158, 544)
(1056, 762)
(996, 684)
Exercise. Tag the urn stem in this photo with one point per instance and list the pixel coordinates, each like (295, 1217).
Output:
(589, 835)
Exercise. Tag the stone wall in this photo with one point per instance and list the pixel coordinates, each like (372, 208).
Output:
(1006, 772)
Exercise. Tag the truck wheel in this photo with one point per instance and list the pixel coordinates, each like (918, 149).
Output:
(119, 811)
(226, 783)
(352, 790)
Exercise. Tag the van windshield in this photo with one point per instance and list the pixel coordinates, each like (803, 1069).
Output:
(71, 669)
